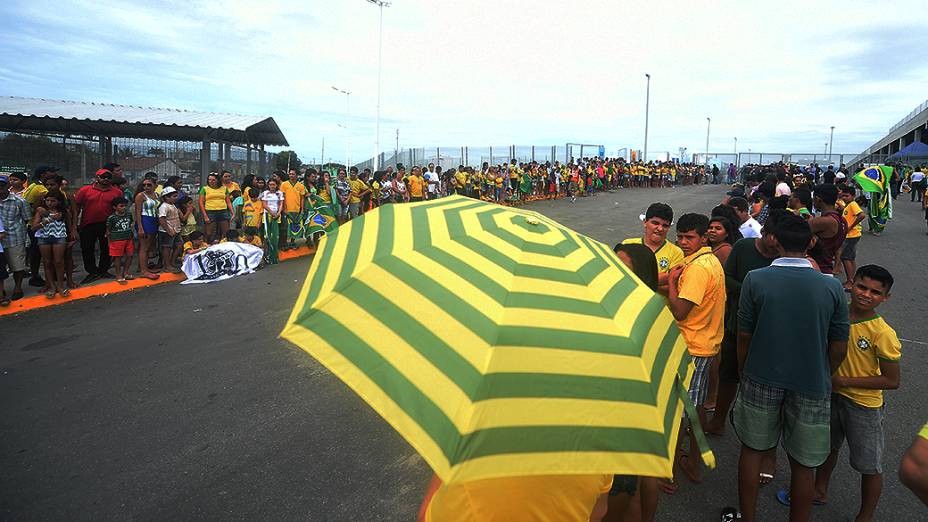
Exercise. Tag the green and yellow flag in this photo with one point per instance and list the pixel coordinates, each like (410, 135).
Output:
(497, 342)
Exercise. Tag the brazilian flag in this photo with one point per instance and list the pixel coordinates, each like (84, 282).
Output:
(875, 181)
(318, 222)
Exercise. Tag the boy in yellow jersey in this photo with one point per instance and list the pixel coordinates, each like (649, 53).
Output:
(657, 221)
(252, 210)
(871, 366)
(853, 215)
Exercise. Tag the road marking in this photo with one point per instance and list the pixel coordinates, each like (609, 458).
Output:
(911, 341)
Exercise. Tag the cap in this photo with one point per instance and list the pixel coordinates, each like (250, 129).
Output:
(42, 169)
(168, 191)
(101, 172)
(4, 179)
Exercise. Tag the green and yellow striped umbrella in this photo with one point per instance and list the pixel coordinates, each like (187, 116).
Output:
(497, 342)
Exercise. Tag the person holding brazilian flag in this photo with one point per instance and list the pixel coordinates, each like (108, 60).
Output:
(875, 182)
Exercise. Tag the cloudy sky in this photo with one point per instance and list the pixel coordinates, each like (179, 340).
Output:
(491, 72)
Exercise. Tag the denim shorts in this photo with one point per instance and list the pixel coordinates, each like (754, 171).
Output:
(862, 427)
(764, 415)
(167, 241)
(699, 384)
(50, 240)
(216, 216)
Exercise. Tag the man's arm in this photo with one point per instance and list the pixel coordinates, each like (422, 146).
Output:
(837, 352)
(679, 307)
(913, 470)
(744, 343)
(888, 380)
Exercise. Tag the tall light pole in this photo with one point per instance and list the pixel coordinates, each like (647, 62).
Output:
(347, 130)
(708, 124)
(381, 4)
(737, 163)
(647, 104)
(831, 138)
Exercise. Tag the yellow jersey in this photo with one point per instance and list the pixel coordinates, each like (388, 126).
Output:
(668, 255)
(850, 213)
(871, 341)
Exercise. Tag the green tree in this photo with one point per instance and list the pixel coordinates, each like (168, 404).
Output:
(287, 156)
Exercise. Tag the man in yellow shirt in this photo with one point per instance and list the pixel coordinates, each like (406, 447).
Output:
(294, 192)
(871, 366)
(657, 221)
(696, 298)
(358, 190)
(416, 185)
(853, 215)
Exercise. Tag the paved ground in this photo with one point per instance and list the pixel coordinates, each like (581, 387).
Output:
(179, 402)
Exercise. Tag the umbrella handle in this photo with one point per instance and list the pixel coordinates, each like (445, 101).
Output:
(705, 451)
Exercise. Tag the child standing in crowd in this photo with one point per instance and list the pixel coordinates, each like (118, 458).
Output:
(237, 201)
(169, 228)
(119, 237)
(188, 219)
(51, 233)
(252, 210)
(657, 220)
(871, 366)
(274, 206)
(853, 215)
(146, 219)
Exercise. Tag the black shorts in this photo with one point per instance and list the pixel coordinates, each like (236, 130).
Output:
(849, 252)
(728, 358)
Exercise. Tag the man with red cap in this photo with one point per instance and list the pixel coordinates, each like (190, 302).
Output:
(95, 204)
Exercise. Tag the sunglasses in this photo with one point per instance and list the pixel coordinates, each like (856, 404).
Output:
(106, 176)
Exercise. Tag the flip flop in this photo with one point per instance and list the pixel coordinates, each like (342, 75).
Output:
(66, 292)
(730, 514)
(129, 277)
(783, 498)
(765, 478)
(50, 294)
(151, 276)
(17, 295)
(5, 301)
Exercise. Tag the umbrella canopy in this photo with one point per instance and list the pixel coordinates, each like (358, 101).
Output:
(497, 342)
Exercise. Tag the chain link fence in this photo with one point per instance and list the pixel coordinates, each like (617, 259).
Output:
(80, 157)
(469, 156)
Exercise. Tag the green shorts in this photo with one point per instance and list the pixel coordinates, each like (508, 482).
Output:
(765, 415)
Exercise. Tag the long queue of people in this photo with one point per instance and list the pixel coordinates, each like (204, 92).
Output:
(785, 350)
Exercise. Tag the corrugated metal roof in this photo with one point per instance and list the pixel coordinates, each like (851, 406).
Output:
(105, 119)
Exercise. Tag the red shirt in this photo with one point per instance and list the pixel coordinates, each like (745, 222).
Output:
(95, 203)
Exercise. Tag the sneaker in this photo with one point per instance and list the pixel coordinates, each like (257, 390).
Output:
(89, 279)
(36, 281)
(106, 275)
(730, 514)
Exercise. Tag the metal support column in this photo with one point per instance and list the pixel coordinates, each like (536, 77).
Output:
(227, 156)
(204, 160)
(248, 158)
(262, 161)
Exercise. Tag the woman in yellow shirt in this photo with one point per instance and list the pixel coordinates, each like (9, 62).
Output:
(215, 207)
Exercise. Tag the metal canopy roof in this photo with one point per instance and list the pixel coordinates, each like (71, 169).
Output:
(19, 114)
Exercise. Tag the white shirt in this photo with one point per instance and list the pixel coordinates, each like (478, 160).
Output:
(783, 189)
(750, 228)
(272, 200)
(432, 178)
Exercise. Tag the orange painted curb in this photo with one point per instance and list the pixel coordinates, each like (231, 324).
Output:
(112, 287)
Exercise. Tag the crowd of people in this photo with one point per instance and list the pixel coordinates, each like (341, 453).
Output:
(787, 344)
(146, 229)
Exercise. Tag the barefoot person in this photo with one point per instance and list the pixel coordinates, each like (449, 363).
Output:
(696, 298)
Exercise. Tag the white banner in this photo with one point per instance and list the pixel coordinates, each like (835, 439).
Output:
(220, 262)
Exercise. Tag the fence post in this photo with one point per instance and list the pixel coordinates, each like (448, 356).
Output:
(491, 155)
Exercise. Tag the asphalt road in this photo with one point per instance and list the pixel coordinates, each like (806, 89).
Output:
(179, 402)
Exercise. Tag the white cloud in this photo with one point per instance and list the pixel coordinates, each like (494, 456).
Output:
(480, 72)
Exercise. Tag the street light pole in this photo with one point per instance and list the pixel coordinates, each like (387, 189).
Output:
(831, 138)
(708, 124)
(737, 163)
(381, 4)
(347, 132)
(647, 107)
